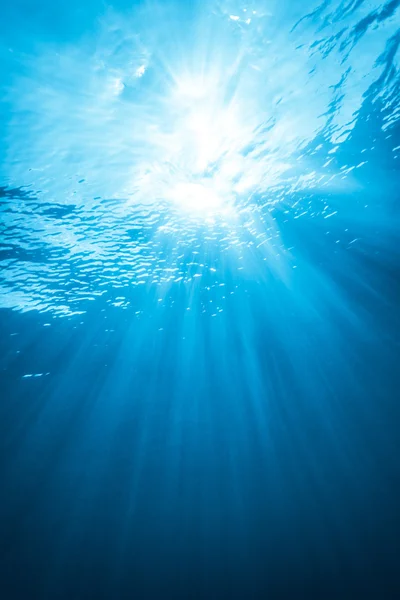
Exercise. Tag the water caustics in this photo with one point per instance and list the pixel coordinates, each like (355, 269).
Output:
(165, 139)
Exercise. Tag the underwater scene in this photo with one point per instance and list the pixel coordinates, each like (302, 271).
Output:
(200, 300)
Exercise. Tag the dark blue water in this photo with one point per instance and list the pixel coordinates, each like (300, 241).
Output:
(199, 300)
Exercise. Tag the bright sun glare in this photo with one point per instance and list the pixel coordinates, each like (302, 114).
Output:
(207, 140)
(197, 198)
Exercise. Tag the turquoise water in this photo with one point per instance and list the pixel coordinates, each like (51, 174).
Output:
(199, 290)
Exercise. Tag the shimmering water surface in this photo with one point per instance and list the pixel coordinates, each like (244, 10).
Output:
(199, 290)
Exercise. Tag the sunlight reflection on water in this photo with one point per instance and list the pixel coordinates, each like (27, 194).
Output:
(138, 136)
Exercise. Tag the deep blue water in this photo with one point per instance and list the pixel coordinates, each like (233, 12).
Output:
(199, 300)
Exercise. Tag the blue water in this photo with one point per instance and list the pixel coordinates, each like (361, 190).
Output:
(199, 300)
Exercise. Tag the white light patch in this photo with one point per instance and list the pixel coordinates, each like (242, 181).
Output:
(140, 71)
(198, 198)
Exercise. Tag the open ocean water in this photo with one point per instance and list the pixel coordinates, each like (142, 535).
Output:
(199, 300)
